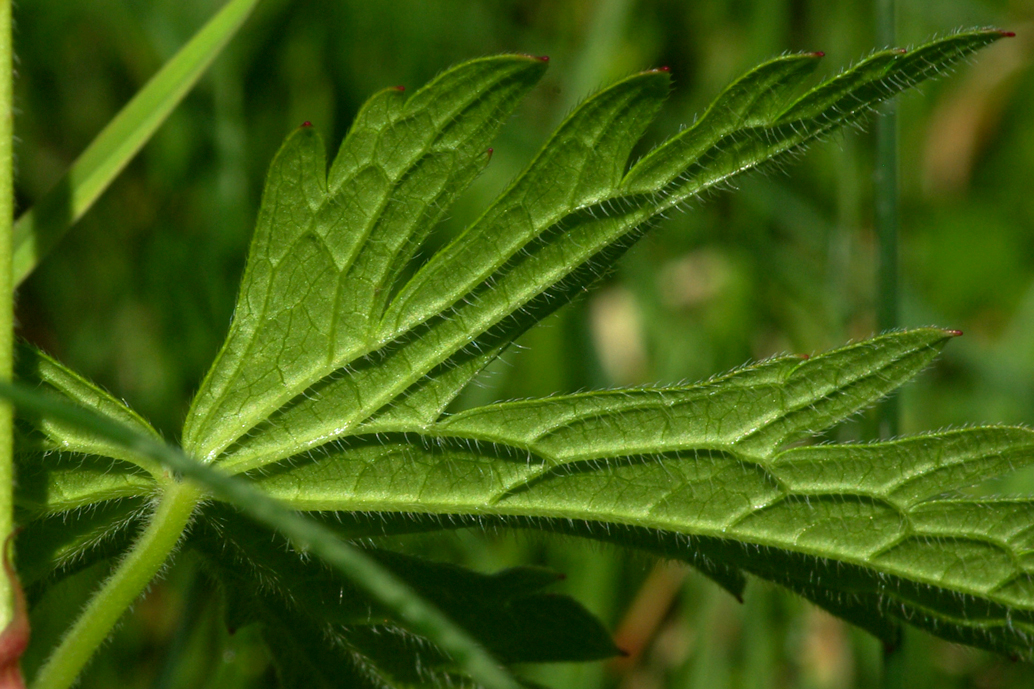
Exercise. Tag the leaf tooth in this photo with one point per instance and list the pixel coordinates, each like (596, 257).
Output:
(750, 101)
(908, 470)
(828, 388)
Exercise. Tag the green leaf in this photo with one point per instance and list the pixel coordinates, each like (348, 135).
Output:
(707, 466)
(60, 543)
(55, 483)
(327, 252)
(44, 433)
(344, 352)
(561, 223)
(508, 612)
(40, 228)
(606, 125)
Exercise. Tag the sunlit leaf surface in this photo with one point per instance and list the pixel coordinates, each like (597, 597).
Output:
(347, 345)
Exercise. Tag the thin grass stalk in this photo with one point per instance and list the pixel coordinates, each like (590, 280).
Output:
(885, 182)
(886, 214)
(7, 301)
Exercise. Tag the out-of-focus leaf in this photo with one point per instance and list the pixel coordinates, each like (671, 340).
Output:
(508, 612)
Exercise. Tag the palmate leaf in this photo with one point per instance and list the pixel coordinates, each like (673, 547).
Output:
(327, 249)
(331, 387)
(63, 469)
(329, 396)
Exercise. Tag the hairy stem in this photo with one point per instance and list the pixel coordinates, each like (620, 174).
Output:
(130, 578)
(7, 302)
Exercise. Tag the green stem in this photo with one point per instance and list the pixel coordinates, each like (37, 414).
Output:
(886, 213)
(130, 578)
(7, 298)
(885, 184)
(895, 673)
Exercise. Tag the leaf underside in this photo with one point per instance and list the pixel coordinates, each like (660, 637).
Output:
(507, 612)
(330, 390)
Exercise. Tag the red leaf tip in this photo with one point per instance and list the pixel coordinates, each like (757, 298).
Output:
(817, 53)
(400, 88)
(306, 124)
(954, 333)
(804, 357)
(544, 58)
(1008, 34)
(665, 68)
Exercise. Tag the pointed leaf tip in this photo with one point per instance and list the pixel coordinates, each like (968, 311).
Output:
(306, 124)
(1008, 34)
(817, 53)
(544, 58)
(954, 333)
(400, 87)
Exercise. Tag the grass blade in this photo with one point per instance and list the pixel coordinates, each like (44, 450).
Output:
(39, 229)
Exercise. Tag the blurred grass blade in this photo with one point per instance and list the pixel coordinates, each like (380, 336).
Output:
(39, 229)
(305, 534)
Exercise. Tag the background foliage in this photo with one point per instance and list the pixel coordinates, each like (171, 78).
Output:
(139, 294)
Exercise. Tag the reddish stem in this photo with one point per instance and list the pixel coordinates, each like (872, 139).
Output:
(15, 637)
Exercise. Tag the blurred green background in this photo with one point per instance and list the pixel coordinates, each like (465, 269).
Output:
(139, 294)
